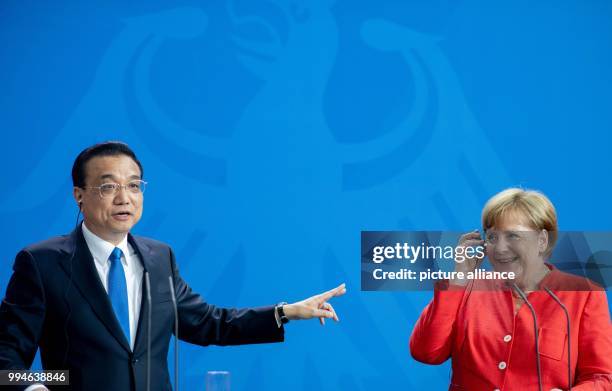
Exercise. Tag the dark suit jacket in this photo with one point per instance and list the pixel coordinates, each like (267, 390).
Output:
(74, 325)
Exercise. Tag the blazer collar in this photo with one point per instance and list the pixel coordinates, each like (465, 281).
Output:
(147, 255)
(80, 265)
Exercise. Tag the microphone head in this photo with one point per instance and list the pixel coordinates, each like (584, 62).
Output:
(148, 284)
(172, 293)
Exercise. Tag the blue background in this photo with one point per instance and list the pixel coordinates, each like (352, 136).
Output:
(273, 132)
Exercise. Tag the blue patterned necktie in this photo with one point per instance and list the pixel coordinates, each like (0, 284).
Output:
(117, 291)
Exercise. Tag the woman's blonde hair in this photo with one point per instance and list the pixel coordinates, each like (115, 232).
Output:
(531, 204)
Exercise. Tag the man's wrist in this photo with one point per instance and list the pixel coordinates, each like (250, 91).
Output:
(289, 310)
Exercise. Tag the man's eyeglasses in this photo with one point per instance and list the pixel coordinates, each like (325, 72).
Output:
(110, 189)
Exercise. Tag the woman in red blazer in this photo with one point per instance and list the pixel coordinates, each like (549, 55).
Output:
(489, 329)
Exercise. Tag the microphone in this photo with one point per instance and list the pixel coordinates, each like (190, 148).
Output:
(535, 329)
(176, 334)
(569, 341)
(148, 285)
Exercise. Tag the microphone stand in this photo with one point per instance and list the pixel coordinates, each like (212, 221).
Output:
(176, 334)
(535, 329)
(148, 284)
(569, 340)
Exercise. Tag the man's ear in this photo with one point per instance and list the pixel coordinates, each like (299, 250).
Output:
(77, 193)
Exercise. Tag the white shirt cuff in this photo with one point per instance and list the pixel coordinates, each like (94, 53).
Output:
(277, 317)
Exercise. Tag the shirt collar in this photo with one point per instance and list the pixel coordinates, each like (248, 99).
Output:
(101, 249)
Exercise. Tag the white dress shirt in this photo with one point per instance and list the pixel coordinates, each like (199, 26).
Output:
(101, 251)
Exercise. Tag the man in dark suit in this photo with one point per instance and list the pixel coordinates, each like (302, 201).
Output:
(82, 298)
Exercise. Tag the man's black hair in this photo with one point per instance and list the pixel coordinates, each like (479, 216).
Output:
(107, 148)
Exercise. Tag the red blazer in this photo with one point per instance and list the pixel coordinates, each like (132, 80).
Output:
(493, 349)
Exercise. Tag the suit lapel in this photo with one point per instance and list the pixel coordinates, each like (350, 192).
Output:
(87, 280)
(145, 254)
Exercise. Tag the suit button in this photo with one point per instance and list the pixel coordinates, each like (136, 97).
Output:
(507, 338)
(134, 360)
(502, 365)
